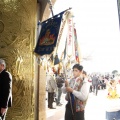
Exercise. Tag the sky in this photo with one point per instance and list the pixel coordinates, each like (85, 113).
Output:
(98, 33)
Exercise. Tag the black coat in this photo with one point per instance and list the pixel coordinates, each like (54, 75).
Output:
(5, 89)
(60, 80)
(95, 80)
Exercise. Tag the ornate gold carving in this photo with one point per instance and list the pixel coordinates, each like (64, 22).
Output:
(17, 39)
(17, 27)
(1, 26)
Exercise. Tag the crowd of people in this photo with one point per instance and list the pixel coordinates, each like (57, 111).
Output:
(77, 91)
(54, 88)
(98, 82)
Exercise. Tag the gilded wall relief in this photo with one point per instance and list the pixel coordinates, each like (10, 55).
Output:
(1, 26)
(17, 27)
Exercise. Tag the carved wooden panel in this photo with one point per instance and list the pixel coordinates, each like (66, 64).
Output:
(17, 36)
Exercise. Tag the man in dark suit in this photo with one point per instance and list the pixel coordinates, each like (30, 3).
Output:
(59, 80)
(95, 83)
(5, 90)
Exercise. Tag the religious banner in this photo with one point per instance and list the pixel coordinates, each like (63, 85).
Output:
(48, 36)
(118, 2)
(70, 38)
(77, 54)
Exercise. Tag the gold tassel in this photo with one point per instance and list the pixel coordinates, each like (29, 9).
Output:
(44, 66)
(40, 64)
(68, 66)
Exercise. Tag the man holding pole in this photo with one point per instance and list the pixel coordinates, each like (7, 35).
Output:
(77, 93)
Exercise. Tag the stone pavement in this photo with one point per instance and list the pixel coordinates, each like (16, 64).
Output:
(95, 108)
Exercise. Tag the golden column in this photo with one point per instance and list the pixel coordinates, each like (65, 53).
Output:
(18, 27)
(17, 38)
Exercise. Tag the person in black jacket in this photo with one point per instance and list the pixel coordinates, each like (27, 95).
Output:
(5, 90)
(95, 83)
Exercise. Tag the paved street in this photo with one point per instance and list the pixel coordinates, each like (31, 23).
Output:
(95, 108)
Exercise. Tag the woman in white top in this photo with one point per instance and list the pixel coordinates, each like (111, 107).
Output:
(113, 101)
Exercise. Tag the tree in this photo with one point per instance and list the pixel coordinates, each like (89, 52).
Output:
(114, 72)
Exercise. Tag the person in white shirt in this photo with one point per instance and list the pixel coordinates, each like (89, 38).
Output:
(113, 101)
(77, 90)
(51, 88)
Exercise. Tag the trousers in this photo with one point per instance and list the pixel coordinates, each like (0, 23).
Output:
(95, 89)
(113, 115)
(50, 99)
(77, 115)
(59, 95)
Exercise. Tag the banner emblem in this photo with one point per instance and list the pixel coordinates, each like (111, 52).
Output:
(48, 36)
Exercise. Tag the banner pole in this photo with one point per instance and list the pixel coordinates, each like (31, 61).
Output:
(51, 7)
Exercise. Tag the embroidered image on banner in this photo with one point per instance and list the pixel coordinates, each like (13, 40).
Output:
(48, 36)
(77, 55)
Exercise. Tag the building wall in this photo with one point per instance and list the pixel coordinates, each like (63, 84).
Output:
(18, 31)
(44, 14)
(17, 39)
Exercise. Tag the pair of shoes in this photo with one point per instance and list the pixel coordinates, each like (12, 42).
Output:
(49, 106)
(55, 100)
(52, 108)
(59, 104)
